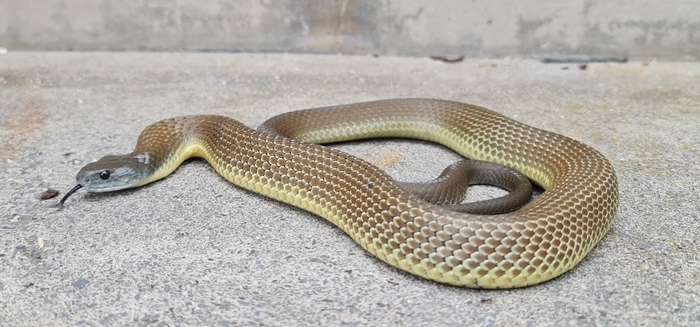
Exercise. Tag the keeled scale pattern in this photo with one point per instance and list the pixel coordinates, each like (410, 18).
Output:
(536, 243)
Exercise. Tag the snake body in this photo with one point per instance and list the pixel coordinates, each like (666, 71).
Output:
(451, 187)
(280, 160)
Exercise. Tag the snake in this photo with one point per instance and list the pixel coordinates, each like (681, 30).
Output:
(284, 160)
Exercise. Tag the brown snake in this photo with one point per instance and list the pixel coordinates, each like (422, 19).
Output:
(540, 241)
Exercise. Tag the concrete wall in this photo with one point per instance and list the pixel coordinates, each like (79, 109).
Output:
(664, 29)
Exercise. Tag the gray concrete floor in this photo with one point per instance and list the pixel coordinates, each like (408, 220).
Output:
(193, 249)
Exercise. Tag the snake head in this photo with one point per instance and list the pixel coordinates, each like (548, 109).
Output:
(112, 173)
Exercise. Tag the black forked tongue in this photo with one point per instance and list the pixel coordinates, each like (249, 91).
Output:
(73, 190)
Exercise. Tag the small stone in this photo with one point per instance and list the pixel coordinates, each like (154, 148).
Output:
(80, 283)
(448, 59)
(48, 194)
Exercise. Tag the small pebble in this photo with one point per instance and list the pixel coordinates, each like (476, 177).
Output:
(448, 59)
(48, 194)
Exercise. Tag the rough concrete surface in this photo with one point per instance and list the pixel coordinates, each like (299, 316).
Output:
(664, 29)
(193, 249)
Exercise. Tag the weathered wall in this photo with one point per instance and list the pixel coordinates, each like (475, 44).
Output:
(665, 29)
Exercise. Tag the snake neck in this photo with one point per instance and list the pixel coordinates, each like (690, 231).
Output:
(172, 141)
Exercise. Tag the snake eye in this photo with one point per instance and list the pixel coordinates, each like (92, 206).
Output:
(104, 174)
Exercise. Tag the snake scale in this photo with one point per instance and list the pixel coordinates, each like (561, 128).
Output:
(281, 160)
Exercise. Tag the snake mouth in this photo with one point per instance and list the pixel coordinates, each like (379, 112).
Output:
(73, 190)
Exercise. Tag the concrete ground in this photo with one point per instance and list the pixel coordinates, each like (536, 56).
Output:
(193, 249)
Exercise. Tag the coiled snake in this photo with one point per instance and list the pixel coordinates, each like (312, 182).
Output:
(540, 241)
